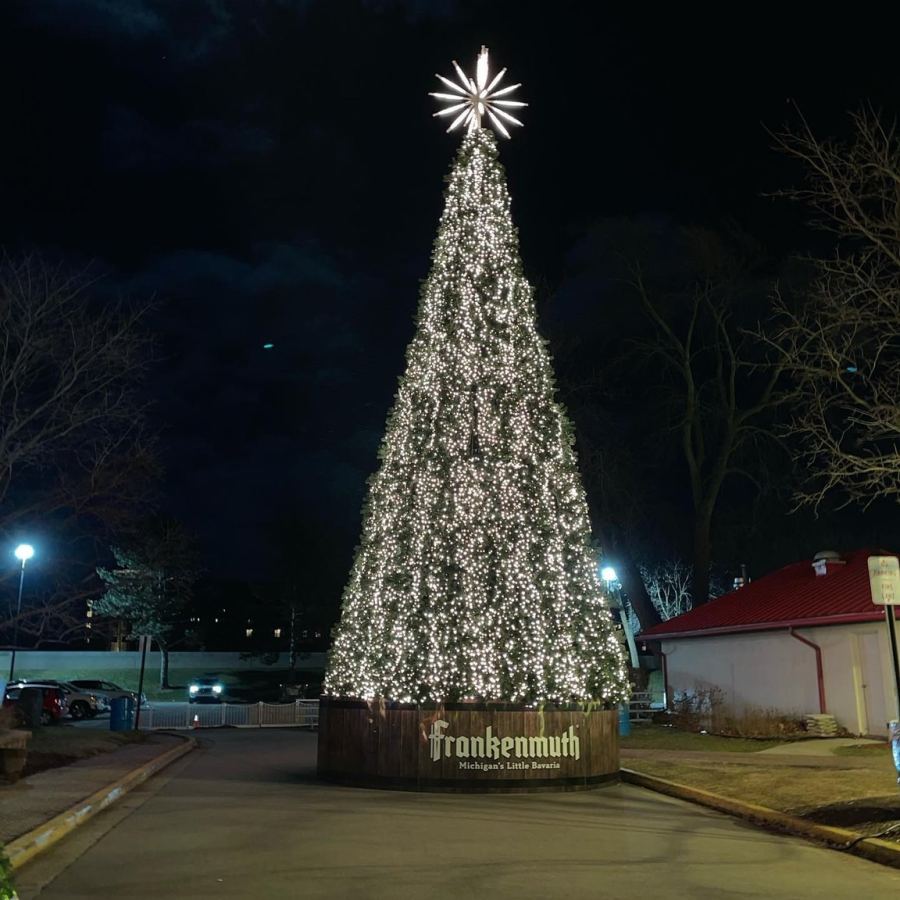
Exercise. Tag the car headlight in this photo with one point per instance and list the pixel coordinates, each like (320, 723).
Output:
(194, 688)
(217, 688)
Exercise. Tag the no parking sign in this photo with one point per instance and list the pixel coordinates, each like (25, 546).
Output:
(884, 580)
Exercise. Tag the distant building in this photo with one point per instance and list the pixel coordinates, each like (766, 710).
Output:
(805, 639)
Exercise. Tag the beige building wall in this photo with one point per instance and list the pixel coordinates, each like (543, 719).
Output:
(772, 670)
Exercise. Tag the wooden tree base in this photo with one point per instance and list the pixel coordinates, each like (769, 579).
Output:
(473, 747)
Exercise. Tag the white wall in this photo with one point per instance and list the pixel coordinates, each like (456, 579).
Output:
(772, 670)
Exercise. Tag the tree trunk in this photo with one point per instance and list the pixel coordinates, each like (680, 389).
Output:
(702, 558)
(163, 665)
(636, 591)
(614, 548)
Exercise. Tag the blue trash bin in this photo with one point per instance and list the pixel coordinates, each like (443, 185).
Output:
(121, 714)
(624, 721)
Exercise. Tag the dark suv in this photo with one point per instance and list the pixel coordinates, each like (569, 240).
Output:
(208, 689)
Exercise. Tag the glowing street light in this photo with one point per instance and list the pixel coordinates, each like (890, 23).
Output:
(609, 576)
(23, 553)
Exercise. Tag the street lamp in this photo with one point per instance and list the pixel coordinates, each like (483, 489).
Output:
(23, 552)
(608, 574)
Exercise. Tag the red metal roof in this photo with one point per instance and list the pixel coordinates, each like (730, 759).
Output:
(792, 596)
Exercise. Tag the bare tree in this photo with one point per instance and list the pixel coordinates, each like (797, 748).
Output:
(842, 348)
(615, 482)
(669, 587)
(715, 394)
(75, 458)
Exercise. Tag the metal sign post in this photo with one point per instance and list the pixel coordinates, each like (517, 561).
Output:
(884, 581)
(145, 643)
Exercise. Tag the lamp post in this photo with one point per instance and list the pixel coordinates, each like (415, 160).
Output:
(23, 552)
(608, 574)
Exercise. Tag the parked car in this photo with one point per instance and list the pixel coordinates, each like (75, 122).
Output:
(53, 707)
(81, 704)
(107, 690)
(208, 689)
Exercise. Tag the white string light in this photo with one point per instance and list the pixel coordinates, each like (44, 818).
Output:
(474, 576)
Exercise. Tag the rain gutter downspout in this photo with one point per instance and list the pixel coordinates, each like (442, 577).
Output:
(820, 676)
(657, 650)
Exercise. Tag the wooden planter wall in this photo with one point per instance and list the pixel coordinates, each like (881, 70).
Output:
(503, 747)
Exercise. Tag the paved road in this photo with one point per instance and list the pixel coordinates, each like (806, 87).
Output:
(244, 818)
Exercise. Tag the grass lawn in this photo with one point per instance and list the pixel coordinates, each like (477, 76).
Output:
(786, 788)
(662, 737)
(60, 745)
(866, 800)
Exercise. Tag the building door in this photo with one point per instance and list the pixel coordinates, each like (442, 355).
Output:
(873, 685)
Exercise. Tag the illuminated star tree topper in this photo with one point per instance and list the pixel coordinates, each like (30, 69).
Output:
(476, 98)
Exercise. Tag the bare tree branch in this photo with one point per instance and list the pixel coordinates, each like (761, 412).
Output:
(76, 457)
(842, 348)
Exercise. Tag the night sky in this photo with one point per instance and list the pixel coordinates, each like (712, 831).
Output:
(270, 172)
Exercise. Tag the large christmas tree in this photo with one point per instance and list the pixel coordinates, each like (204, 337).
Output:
(474, 577)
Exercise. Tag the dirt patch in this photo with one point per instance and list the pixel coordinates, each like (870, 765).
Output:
(871, 815)
(38, 762)
(57, 746)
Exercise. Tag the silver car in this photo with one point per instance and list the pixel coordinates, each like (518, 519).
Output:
(107, 691)
(81, 704)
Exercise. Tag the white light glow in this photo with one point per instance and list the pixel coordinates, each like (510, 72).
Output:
(506, 116)
(480, 96)
(24, 552)
(459, 119)
(608, 573)
(452, 109)
(481, 70)
(453, 86)
(498, 124)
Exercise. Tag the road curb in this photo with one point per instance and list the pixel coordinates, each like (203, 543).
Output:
(885, 852)
(27, 846)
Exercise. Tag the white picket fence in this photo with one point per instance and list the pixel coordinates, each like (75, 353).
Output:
(299, 713)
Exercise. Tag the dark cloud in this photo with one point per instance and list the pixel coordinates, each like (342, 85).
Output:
(133, 142)
(190, 32)
(249, 433)
(270, 171)
(417, 10)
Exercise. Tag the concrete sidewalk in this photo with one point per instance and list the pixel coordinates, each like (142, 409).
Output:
(37, 798)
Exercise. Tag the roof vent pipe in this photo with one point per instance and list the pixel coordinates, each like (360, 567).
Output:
(825, 558)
